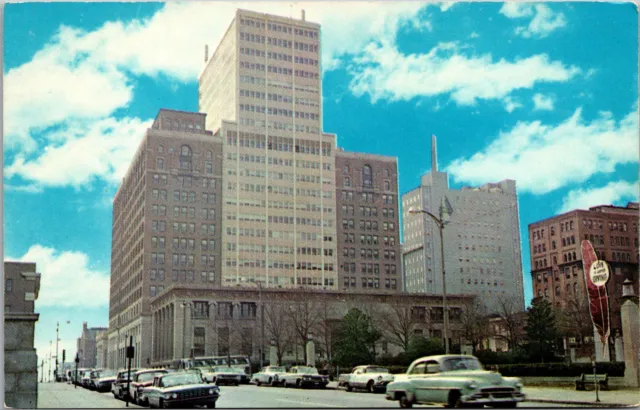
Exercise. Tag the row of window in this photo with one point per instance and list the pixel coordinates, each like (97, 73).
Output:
(284, 144)
(185, 165)
(313, 281)
(347, 184)
(261, 159)
(279, 28)
(279, 98)
(278, 56)
(280, 42)
(247, 79)
(370, 283)
(368, 268)
(278, 70)
(277, 125)
(369, 253)
(283, 112)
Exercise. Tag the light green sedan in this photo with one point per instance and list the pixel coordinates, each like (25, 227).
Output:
(455, 381)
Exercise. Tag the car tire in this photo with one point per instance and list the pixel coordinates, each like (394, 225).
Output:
(349, 388)
(298, 384)
(270, 381)
(405, 403)
(236, 384)
(454, 401)
(370, 387)
(258, 383)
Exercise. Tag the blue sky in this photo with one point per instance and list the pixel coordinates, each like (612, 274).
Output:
(545, 94)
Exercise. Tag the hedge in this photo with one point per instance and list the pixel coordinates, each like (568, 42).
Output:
(613, 369)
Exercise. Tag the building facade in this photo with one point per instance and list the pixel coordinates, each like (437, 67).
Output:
(190, 321)
(368, 239)
(166, 226)
(87, 346)
(21, 288)
(481, 239)
(102, 344)
(261, 91)
(556, 256)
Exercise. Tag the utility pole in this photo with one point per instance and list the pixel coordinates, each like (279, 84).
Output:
(261, 325)
(49, 372)
(42, 372)
(57, 339)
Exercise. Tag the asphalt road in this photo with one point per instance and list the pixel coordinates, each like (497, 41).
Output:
(62, 395)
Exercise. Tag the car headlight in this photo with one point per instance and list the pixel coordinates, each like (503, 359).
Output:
(472, 385)
(211, 391)
(519, 385)
(166, 396)
(174, 396)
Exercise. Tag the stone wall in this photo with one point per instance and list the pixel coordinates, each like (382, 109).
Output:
(20, 361)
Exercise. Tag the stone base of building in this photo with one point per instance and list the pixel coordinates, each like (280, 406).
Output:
(20, 361)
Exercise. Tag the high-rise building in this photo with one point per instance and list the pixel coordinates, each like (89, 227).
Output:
(261, 91)
(87, 348)
(481, 239)
(556, 254)
(367, 213)
(166, 226)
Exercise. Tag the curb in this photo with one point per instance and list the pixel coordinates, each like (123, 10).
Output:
(581, 403)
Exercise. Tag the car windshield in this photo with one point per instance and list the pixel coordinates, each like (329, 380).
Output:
(107, 373)
(377, 370)
(201, 363)
(223, 369)
(307, 370)
(275, 369)
(147, 377)
(462, 363)
(180, 379)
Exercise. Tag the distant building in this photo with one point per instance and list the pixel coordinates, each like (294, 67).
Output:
(102, 345)
(367, 222)
(481, 239)
(21, 288)
(87, 350)
(556, 256)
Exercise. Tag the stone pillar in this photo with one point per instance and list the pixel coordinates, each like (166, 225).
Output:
(619, 347)
(631, 334)
(20, 361)
(311, 352)
(273, 354)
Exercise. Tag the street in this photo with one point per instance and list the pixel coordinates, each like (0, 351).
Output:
(62, 395)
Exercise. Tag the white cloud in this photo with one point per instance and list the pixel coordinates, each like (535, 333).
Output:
(510, 104)
(614, 193)
(66, 279)
(474, 35)
(544, 19)
(542, 102)
(30, 188)
(84, 75)
(384, 73)
(101, 149)
(542, 158)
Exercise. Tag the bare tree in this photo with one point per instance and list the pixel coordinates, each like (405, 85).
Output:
(326, 328)
(278, 327)
(398, 322)
(474, 323)
(512, 320)
(574, 318)
(304, 314)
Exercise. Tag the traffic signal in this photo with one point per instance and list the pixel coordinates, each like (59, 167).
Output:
(63, 356)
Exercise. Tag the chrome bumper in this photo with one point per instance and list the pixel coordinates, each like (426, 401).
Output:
(488, 398)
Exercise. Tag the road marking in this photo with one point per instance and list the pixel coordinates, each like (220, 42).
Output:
(311, 403)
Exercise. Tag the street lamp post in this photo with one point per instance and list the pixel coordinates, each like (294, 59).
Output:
(261, 324)
(57, 340)
(440, 222)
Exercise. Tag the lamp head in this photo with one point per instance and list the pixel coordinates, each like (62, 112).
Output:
(413, 210)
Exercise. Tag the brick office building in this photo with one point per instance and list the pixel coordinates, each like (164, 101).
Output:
(556, 258)
(369, 255)
(166, 226)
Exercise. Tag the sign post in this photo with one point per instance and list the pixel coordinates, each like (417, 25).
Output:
(75, 378)
(596, 275)
(130, 353)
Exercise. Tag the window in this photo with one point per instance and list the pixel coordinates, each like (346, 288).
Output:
(8, 285)
(208, 167)
(160, 148)
(160, 163)
(200, 309)
(152, 291)
(367, 181)
(347, 181)
(346, 169)
(387, 185)
(185, 158)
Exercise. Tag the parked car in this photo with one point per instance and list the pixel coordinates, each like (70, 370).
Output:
(181, 389)
(86, 378)
(119, 387)
(371, 378)
(304, 376)
(104, 381)
(223, 375)
(77, 376)
(93, 376)
(269, 375)
(140, 380)
(455, 381)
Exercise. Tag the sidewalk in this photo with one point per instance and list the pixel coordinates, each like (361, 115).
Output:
(569, 395)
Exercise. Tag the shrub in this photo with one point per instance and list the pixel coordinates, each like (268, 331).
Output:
(613, 369)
